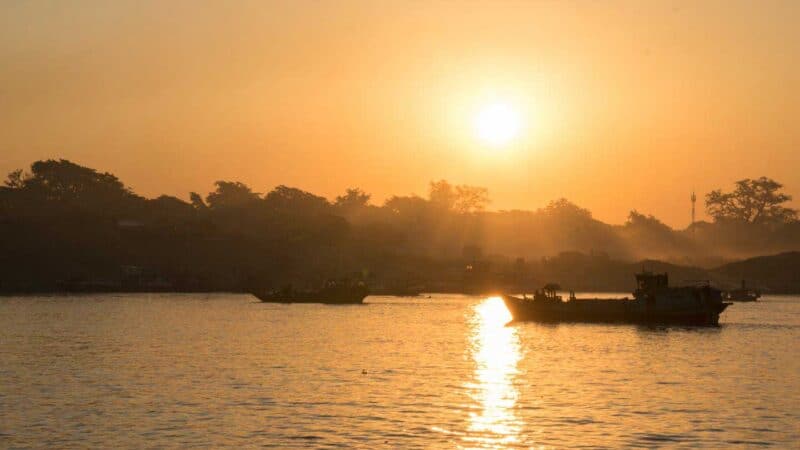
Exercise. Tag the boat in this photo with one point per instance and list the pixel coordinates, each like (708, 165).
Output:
(743, 294)
(654, 302)
(339, 292)
(397, 291)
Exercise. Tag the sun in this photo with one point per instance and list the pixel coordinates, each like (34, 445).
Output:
(497, 124)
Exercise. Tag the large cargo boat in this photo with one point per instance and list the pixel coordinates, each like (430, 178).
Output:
(654, 302)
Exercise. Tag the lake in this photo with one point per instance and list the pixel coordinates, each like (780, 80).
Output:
(223, 370)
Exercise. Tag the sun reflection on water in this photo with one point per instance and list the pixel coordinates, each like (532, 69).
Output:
(495, 350)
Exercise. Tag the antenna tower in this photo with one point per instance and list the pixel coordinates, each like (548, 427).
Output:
(694, 200)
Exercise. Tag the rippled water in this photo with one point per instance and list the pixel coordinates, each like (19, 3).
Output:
(224, 370)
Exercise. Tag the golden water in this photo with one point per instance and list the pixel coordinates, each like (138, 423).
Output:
(223, 370)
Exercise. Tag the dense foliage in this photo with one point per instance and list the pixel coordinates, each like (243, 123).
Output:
(64, 223)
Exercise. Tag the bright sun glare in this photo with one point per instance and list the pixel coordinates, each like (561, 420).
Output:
(497, 124)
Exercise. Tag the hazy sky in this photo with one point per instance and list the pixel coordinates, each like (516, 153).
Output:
(623, 104)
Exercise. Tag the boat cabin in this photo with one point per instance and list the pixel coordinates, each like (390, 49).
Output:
(548, 293)
(649, 281)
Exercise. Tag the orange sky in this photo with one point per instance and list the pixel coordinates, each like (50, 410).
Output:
(624, 104)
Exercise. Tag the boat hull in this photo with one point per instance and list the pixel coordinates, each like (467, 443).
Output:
(611, 311)
(349, 299)
(735, 297)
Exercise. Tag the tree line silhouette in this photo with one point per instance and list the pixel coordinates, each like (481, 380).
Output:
(65, 226)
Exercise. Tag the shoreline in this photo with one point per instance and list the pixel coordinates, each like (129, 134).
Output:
(54, 293)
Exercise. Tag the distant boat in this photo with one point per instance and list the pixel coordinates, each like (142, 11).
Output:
(397, 291)
(654, 302)
(341, 292)
(743, 294)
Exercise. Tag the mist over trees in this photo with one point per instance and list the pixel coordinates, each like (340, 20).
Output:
(62, 222)
(461, 199)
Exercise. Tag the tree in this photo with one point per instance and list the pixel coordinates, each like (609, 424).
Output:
(407, 205)
(230, 194)
(442, 195)
(169, 207)
(15, 180)
(753, 201)
(61, 185)
(64, 180)
(637, 220)
(647, 233)
(461, 199)
(565, 209)
(197, 201)
(285, 198)
(353, 198)
(471, 199)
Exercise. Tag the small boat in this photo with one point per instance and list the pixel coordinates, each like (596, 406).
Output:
(342, 292)
(743, 294)
(397, 291)
(654, 302)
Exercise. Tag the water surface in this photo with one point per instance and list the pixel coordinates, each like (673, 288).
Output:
(224, 370)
